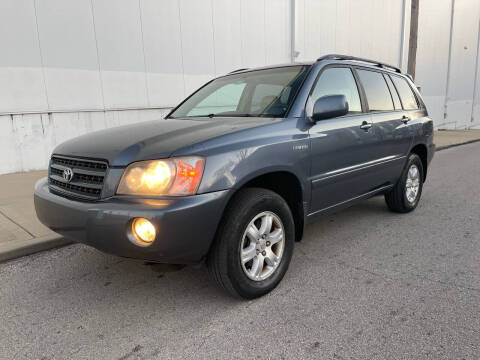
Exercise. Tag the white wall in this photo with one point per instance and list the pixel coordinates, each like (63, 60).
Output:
(27, 140)
(73, 55)
(70, 66)
(447, 61)
(374, 29)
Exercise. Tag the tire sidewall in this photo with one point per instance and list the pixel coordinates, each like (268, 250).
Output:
(243, 285)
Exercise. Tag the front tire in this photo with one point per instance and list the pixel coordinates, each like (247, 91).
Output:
(404, 197)
(254, 244)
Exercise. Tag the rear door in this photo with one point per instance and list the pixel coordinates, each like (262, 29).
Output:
(390, 124)
(341, 148)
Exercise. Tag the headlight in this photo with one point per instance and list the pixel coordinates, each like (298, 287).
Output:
(169, 177)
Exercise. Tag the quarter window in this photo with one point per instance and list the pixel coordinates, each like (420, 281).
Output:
(338, 81)
(376, 90)
(393, 91)
(406, 94)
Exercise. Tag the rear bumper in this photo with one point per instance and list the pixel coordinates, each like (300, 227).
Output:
(185, 226)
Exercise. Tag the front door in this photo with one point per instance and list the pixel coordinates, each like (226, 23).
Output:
(342, 149)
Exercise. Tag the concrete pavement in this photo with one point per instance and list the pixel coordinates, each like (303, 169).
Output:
(20, 231)
(363, 284)
(22, 234)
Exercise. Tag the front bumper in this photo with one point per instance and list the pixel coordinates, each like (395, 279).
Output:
(185, 226)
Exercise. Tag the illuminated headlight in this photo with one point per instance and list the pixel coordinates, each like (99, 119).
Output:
(169, 177)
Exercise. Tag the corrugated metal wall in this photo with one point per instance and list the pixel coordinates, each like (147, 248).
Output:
(68, 66)
(72, 66)
(374, 29)
(448, 61)
(71, 55)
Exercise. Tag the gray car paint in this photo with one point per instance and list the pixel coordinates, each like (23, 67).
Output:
(335, 161)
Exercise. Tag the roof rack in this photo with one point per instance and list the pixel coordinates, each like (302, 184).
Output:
(353, 58)
(234, 71)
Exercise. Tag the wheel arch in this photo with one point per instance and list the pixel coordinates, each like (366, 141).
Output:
(422, 152)
(286, 184)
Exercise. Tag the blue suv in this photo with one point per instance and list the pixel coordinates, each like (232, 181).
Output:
(234, 173)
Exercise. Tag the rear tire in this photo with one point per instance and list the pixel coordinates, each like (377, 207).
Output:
(249, 264)
(405, 195)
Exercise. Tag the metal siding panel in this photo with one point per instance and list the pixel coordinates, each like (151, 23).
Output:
(163, 52)
(227, 34)
(253, 33)
(300, 23)
(22, 86)
(475, 121)
(69, 54)
(367, 28)
(120, 48)
(277, 31)
(463, 62)
(432, 55)
(197, 43)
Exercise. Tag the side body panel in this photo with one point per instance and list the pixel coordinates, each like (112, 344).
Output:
(344, 160)
(234, 159)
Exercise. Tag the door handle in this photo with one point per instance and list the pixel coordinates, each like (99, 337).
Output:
(405, 119)
(365, 125)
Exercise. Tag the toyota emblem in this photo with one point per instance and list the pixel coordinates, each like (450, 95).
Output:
(68, 174)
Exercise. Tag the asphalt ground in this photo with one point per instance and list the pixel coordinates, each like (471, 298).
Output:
(364, 283)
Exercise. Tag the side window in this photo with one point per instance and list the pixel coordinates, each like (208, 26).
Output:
(393, 91)
(376, 90)
(406, 94)
(224, 99)
(338, 81)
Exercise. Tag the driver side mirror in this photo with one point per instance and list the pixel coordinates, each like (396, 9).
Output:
(330, 106)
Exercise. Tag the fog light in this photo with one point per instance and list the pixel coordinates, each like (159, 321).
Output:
(144, 230)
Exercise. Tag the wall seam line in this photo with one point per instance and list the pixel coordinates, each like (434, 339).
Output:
(241, 37)
(213, 39)
(265, 31)
(447, 85)
(402, 39)
(41, 55)
(143, 52)
(98, 55)
(181, 48)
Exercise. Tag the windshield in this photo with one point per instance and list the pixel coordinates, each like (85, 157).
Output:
(266, 93)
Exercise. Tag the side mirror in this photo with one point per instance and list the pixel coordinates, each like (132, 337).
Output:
(330, 106)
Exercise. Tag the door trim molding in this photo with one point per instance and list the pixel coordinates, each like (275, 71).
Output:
(355, 168)
(349, 201)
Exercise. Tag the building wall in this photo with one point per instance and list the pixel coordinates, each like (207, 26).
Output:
(448, 61)
(73, 66)
(373, 29)
(68, 66)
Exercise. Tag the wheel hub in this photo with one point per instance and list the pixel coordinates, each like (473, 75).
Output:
(262, 246)
(412, 185)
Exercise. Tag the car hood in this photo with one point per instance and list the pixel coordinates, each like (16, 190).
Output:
(155, 139)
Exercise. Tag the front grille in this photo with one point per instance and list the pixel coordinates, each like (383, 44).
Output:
(87, 179)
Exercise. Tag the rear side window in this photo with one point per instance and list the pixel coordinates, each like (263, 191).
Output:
(406, 94)
(376, 90)
(393, 91)
(338, 81)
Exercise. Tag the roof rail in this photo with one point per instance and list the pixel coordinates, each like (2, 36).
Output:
(354, 58)
(234, 71)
